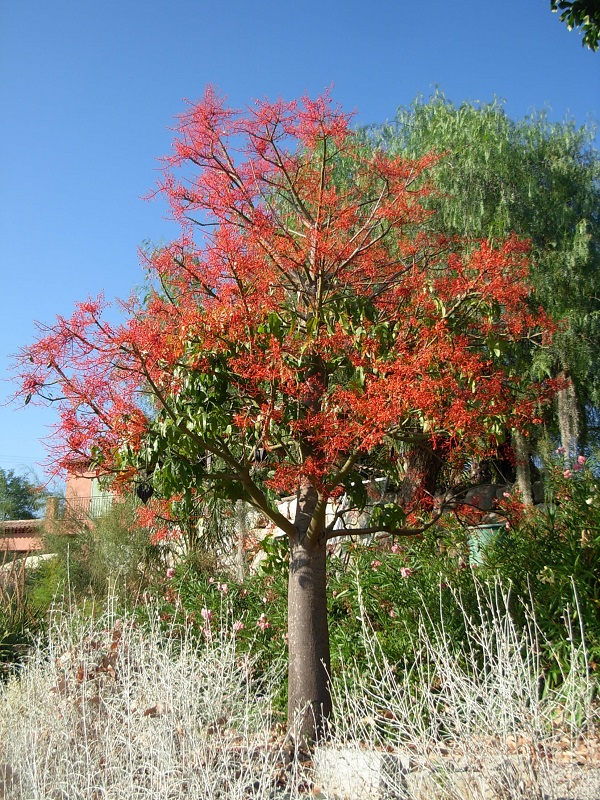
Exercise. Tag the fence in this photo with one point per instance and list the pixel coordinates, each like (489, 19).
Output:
(82, 508)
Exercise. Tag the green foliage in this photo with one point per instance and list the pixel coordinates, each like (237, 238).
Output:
(391, 592)
(388, 515)
(584, 14)
(533, 177)
(551, 558)
(21, 619)
(111, 559)
(114, 555)
(19, 498)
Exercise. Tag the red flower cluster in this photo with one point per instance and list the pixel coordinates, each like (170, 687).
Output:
(313, 316)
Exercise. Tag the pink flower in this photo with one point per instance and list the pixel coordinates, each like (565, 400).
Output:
(263, 623)
(206, 615)
(396, 548)
(238, 625)
(560, 451)
(567, 473)
(211, 580)
(581, 460)
(222, 587)
(392, 613)
(405, 572)
(506, 494)
(375, 564)
(170, 573)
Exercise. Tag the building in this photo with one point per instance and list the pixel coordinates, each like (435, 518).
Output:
(21, 535)
(84, 497)
(84, 501)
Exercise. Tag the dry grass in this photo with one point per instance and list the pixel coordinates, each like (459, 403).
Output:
(108, 710)
(468, 721)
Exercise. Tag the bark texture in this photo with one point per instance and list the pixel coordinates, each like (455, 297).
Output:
(523, 467)
(309, 697)
(422, 465)
(569, 419)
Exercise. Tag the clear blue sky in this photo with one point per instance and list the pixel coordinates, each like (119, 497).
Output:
(88, 92)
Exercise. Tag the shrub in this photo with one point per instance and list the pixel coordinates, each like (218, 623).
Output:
(111, 555)
(20, 618)
(106, 709)
(551, 561)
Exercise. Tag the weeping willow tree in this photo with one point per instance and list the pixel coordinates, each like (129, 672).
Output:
(541, 180)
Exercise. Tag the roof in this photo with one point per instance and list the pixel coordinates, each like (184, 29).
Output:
(21, 535)
(16, 525)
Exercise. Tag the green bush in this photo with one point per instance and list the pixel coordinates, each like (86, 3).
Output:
(550, 557)
(111, 558)
(21, 618)
(112, 555)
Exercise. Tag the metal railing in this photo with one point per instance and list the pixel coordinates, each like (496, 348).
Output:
(80, 508)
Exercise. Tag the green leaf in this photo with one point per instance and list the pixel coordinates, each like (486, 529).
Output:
(388, 515)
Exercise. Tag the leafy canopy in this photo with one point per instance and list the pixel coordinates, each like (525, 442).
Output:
(19, 498)
(584, 14)
(533, 177)
(306, 319)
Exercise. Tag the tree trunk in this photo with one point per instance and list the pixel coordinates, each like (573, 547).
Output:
(568, 417)
(240, 533)
(309, 698)
(422, 465)
(522, 466)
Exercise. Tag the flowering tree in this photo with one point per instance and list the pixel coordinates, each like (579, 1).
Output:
(303, 326)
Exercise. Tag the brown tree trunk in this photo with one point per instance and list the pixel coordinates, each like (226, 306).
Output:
(569, 421)
(522, 467)
(422, 465)
(309, 697)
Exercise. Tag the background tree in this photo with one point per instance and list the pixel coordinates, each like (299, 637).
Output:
(539, 180)
(584, 14)
(313, 326)
(19, 498)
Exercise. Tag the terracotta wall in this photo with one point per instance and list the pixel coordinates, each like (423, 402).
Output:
(21, 536)
(79, 485)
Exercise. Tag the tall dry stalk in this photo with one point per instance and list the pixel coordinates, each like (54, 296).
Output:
(470, 716)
